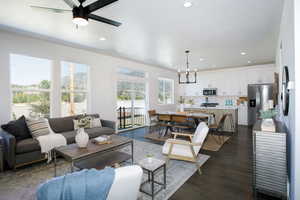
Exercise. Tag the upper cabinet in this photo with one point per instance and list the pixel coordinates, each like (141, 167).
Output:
(231, 82)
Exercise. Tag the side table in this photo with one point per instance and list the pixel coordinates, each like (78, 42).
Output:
(151, 166)
(1, 154)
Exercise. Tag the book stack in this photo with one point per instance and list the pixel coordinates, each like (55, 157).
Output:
(104, 139)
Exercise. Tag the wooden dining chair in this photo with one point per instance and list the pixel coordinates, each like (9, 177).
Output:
(153, 120)
(180, 123)
(164, 124)
(217, 129)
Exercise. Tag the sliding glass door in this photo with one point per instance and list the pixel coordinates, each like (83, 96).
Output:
(131, 101)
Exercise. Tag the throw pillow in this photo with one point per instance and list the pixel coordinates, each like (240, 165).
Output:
(17, 128)
(83, 122)
(96, 122)
(38, 127)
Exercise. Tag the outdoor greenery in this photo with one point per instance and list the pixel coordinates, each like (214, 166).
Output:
(38, 100)
(125, 89)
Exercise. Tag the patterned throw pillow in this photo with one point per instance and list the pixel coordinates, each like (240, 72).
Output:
(84, 122)
(38, 127)
(96, 122)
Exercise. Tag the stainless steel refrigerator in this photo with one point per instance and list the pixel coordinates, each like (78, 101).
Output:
(258, 95)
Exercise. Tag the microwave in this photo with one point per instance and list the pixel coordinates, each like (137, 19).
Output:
(209, 91)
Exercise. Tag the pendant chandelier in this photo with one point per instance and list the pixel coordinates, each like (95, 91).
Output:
(188, 73)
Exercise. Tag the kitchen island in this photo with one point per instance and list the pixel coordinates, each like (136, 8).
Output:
(219, 111)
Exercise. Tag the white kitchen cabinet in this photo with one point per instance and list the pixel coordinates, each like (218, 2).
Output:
(232, 82)
(243, 114)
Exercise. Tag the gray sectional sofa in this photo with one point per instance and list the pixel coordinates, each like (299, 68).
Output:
(27, 151)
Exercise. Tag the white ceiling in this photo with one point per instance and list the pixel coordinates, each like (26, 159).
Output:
(159, 31)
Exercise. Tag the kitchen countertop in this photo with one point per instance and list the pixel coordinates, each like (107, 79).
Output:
(212, 108)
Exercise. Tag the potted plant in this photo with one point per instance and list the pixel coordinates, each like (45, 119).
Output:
(181, 102)
(190, 102)
(149, 158)
(267, 120)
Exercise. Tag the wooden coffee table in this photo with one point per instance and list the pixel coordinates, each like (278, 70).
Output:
(95, 156)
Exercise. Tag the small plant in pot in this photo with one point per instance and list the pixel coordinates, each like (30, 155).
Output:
(181, 102)
(267, 120)
(190, 102)
(149, 157)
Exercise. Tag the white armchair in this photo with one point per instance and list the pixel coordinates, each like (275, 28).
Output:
(126, 184)
(186, 150)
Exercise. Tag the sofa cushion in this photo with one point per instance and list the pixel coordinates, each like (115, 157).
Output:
(66, 124)
(17, 128)
(30, 144)
(27, 145)
(70, 136)
(95, 132)
(62, 124)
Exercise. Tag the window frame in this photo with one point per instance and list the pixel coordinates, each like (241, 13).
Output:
(164, 91)
(87, 91)
(12, 90)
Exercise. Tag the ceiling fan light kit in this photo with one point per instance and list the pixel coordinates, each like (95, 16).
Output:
(81, 15)
(187, 72)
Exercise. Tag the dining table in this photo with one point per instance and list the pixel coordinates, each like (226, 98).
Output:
(197, 117)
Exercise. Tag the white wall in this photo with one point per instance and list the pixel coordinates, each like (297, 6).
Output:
(230, 82)
(290, 40)
(103, 74)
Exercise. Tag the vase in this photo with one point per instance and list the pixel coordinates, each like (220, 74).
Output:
(181, 108)
(81, 138)
(268, 125)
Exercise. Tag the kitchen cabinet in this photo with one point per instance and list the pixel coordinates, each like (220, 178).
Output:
(232, 82)
(243, 114)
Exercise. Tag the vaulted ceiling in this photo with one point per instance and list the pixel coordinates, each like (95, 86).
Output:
(159, 31)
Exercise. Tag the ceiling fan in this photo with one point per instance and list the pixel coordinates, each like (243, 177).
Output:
(81, 14)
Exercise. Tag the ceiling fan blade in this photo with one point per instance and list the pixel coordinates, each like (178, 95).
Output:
(104, 20)
(98, 4)
(55, 10)
(70, 3)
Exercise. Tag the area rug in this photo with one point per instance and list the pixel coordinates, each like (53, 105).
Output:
(22, 184)
(156, 137)
(214, 143)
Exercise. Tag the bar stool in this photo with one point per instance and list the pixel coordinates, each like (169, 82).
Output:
(231, 121)
(153, 120)
(164, 122)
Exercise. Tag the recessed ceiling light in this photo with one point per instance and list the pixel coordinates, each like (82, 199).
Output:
(201, 59)
(249, 61)
(102, 39)
(243, 53)
(187, 4)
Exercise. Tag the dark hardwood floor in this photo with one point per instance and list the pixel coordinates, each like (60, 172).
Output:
(226, 175)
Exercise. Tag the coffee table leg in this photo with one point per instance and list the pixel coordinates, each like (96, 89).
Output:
(131, 152)
(72, 166)
(165, 177)
(54, 154)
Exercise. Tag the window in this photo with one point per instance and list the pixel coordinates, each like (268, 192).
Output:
(166, 91)
(130, 72)
(74, 88)
(30, 84)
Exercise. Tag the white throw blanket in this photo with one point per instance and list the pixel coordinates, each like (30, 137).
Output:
(51, 141)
